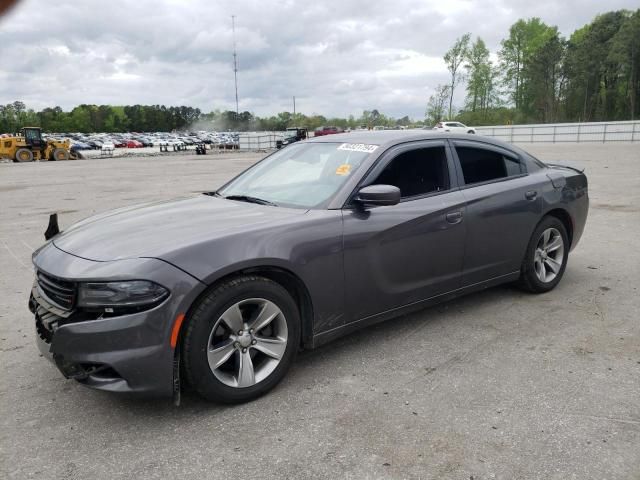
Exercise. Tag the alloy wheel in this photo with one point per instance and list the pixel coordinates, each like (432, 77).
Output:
(247, 342)
(549, 255)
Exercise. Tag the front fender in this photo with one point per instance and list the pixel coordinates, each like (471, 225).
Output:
(309, 246)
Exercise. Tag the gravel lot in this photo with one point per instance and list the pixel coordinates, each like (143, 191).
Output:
(499, 384)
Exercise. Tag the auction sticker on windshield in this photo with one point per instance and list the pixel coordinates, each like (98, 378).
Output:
(343, 169)
(358, 147)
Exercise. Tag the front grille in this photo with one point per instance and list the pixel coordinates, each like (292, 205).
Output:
(60, 292)
(46, 323)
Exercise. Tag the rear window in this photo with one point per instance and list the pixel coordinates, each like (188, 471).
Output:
(480, 165)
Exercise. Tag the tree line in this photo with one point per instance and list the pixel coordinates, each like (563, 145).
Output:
(540, 76)
(98, 118)
(159, 118)
(536, 76)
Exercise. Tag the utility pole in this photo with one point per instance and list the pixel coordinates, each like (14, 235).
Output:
(235, 60)
(294, 106)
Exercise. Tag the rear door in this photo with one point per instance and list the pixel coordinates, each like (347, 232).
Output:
(503, 205)
(400, 254)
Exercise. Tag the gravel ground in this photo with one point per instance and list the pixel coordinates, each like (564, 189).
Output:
(499, 384)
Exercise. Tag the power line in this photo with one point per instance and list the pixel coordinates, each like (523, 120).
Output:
(235, 59)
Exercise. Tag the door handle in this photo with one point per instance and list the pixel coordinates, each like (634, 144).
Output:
(454, 217)
(531, 195)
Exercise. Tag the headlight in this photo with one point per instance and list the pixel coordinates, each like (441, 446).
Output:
(129, 294)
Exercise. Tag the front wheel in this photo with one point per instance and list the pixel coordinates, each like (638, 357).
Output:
(241, 339)
(60, 154)
(546, 256)
(24, 155)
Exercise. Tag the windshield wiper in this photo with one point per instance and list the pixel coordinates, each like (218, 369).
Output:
(248, 199)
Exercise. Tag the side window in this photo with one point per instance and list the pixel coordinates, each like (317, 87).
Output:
(514, 167)
(480, 165)
(417, 172)
(31, 135)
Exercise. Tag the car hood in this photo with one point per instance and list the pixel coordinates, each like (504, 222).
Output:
(159, 228)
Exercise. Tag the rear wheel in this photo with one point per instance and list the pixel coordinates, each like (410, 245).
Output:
(241, 340)
(546, 257)
(60, 154)
(24, 155)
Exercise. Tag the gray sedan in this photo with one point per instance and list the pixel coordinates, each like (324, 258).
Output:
(318, 239)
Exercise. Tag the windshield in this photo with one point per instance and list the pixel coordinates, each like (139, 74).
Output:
(303, 175)
(290, 133)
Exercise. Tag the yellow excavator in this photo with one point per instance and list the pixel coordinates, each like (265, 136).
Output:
(29, 145)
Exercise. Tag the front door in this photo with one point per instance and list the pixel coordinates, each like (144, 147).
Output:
(401, 254)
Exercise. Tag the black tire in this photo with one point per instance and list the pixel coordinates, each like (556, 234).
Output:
(202, 321)
(60, 154)
(529, 280)
(24, 155)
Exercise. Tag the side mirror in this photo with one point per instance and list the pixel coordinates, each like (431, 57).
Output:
(378, 195)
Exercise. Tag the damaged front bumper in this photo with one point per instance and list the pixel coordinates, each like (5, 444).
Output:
(125, 353)
(119, 354)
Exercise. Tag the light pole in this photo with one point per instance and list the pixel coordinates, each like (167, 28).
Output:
(235, 60)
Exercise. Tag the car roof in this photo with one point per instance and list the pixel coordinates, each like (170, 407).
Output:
(389, 138)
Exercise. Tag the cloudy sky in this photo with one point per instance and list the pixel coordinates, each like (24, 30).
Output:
(336, 57)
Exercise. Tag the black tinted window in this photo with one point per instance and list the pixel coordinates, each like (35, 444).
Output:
(417, 172)
(480, 165)
(31, 135)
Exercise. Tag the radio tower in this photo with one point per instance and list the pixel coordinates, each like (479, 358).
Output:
(235, 59)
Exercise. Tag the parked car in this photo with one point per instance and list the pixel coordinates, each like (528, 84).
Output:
(77, 146)
(146, 142)
(292, 135)
(133, 144)
(453, 127)
(318, 239)
(173, 143)
(320, 131)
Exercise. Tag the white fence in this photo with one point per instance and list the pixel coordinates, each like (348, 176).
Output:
(601, 132)
(259, 140)
(566, 132)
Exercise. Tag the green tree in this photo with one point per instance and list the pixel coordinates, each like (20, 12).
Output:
(454, 58)
(602, 68)
(625, 52)
(437, 104)
(480, 77)
(546, 78)
(526, 37)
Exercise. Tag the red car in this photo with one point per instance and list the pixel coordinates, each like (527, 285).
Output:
(320, 131)
(134, 144)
